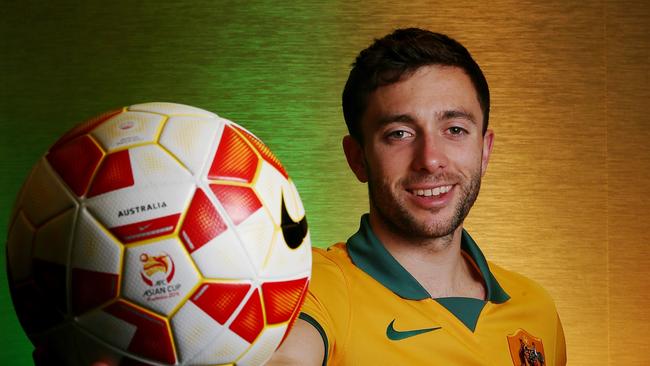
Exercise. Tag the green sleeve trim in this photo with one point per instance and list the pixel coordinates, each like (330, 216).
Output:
(314, 323)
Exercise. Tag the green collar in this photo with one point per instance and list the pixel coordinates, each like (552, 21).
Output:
(370, 255)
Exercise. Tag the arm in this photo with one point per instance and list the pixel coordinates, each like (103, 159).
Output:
(303, 346)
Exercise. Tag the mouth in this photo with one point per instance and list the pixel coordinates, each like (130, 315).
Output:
(431, 192)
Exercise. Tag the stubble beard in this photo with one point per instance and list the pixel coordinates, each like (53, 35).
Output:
(394, 213)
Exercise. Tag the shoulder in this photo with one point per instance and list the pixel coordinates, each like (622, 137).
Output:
(523, 291)
(327, 304)
(328, 268)
(532, 308)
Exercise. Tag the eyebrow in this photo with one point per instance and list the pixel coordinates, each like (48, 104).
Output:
(444, 115)
(458, 113)
(384, 120)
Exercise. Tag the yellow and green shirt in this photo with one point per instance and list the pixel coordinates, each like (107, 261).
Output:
(371, 311)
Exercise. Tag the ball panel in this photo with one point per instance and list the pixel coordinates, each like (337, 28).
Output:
(140, 205)
(223, 350)
(239, 202)
(264, 150)
(158, 276)
(45, 195)
(85, 127)
(152, 166)
(50, 258)
(90, 289)
(113, 330)
(292, 201)
(53, 239)
(171, 109)
(264, 346)
(50, 279)
(19, 248)
(85, 154)
(223, 258)
(234, 160)
(285, 262)
(33, 308)
(128, 327)
(152, 338)
(202, 222)
(128, 129)
(96, 265)
(268, 187)
(220, 300)
(256, 236)
(281, 299)
(296, 312)
(294, 231)
(93, 248)
(190, 139)
(193, 329)
(250, 321)
(114, 173)
(147, 229)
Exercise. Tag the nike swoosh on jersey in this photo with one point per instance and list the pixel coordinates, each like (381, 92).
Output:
(293, 232)
(396, 335)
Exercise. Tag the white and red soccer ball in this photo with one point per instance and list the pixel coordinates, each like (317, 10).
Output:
(158, 234)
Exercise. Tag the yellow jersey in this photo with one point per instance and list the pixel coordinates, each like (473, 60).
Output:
(370, 311)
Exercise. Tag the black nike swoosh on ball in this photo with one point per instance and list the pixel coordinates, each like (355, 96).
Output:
(294, 232)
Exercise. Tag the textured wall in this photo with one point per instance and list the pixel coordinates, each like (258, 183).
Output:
(563, 202)
(628, 185)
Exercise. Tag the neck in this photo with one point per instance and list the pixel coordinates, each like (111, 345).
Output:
(436, 263)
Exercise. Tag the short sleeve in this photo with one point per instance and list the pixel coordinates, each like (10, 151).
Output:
(326, 306)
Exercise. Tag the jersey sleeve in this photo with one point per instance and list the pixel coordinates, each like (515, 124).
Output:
(326, 306)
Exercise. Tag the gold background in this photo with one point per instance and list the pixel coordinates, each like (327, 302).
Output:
(565, 197)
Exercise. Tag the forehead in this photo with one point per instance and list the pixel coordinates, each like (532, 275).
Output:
(427, 92)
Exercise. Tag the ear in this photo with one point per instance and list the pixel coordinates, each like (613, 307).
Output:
(356, 159)
(488, 140)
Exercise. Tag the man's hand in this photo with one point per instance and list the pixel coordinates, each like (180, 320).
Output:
(303, 346)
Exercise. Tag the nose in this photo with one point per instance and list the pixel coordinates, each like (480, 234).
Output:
(430, 156)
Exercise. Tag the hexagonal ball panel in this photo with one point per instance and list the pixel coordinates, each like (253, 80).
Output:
(128, 129)
(158, 276)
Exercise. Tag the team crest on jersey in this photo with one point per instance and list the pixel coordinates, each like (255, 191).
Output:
(158, 272)
(526, 349)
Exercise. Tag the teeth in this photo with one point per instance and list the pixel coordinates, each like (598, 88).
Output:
(432, 192)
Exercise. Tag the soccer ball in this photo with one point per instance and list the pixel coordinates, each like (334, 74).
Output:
(158, 234)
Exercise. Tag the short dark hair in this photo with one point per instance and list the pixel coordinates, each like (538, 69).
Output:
(400, 54)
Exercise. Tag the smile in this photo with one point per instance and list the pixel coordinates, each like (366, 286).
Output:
(431, 192)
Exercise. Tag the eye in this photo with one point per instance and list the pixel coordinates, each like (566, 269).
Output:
(455, 130)
(399, 135)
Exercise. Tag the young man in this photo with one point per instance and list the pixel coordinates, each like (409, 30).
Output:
(411, 287)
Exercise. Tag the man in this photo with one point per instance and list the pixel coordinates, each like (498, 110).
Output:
(411, 287)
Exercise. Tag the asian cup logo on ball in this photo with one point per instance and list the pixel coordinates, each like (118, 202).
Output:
(159, 234)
